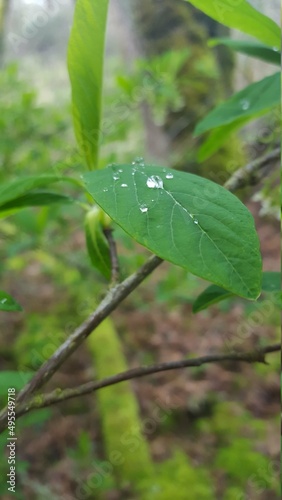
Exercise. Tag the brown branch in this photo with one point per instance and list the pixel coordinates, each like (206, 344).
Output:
(58, 396)
(113, 298)
(108, 232)
(254, 172)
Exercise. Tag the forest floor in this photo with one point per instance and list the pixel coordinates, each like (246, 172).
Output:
(164, 334)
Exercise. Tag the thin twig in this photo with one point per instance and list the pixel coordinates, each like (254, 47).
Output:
(254, 172)
(108, 232)
(57, 396)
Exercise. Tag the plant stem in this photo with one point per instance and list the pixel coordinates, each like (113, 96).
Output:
(254, 172)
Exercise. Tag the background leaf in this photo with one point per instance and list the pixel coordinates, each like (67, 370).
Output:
(14, 379)
(185, 219)
(7, 303)
(254, 100)
(240, 15)
(85, 65)
(218, 137)
(271, 282)
(253, 48)
(13, 190)
(36, 199)
(210, 296)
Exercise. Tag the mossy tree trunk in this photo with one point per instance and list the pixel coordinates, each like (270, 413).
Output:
(126, 449)
(206, 77)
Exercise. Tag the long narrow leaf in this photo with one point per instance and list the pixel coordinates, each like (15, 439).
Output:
(12, 190)
(254, 49)
(85, 65)
(36, 199)
(217, 137)
(240, 15)
(257, 98)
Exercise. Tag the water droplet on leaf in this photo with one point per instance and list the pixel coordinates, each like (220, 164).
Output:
(155, 182)
(143, 209)
(169, 176)
(124, 185)
(245, 104)
(139, 160)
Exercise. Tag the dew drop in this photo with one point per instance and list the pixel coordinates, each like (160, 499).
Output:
(105, 190)
(143, 209)
(276, 49)
(124, 185)
(120, 170)
(139, 160)
(196, 221)
(155, 182)
(169, 176)
(3, 301)
(245, 104)
(116, 177)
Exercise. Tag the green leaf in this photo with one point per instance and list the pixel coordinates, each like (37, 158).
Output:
(184, 219)
(36, 199)
(85, 65)
(97, 245)
(271, 283)
(252, 101)
(240, 15)
(7, 303)
(218, 137)
(254, 49)
(210, 296)
(13, 379)
(12, 190)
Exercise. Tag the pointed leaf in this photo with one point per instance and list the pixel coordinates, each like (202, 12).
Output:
(97, 245)
(35, 199)
(252, 101)
(85, 65)
(7, 303)
(15, 189)
(254, 49)
(240, 15)
(185, 219)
